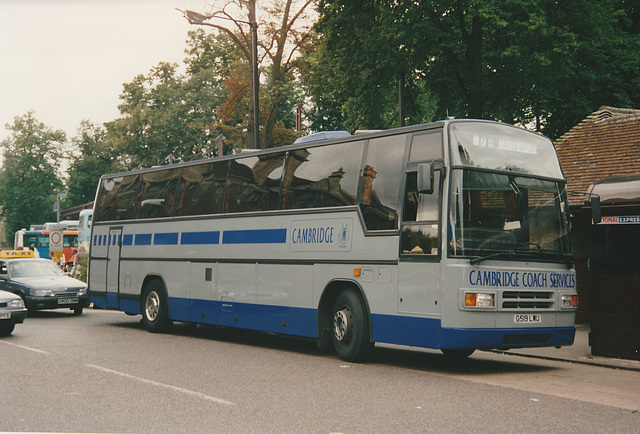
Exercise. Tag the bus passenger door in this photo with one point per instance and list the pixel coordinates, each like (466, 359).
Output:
(419, 264)
(114, 244)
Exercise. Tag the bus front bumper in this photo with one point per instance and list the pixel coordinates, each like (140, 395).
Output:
(504, 339)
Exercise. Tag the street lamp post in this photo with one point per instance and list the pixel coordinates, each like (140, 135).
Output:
(198, 18)
(254, 71)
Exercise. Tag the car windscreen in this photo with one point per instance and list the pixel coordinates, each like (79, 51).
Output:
(34, 268)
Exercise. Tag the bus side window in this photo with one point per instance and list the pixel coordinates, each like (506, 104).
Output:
(322, 176)
(381, 181)
(420, 219)
(118, 198)
(254, 183)
(157, 193)
(202, 189)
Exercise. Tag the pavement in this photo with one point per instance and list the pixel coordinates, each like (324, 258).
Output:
(579, 352)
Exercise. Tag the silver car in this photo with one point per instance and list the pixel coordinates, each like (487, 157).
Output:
(12, 312)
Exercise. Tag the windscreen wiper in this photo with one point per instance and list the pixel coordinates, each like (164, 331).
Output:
(476, 261)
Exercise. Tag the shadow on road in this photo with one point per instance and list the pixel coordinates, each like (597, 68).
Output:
(402, 357)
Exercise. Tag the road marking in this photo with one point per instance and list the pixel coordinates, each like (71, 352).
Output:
(35, 350)
(167, 386)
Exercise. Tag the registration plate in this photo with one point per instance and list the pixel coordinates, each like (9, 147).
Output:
(5, 315)
(70, 300)
(521, 318)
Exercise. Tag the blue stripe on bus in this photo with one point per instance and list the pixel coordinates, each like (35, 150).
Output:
(142, 240)
(166, 239)
(406, 330)
(255, 236)
(394, 329)
(191, 238)
(453, 338)
(127, 240)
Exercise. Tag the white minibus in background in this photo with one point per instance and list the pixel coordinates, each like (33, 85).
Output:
(84, 227)
(452, 235)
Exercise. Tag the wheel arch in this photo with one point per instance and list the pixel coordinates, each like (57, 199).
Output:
(325, 306)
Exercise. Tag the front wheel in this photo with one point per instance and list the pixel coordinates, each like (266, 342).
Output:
(350, 327)
(155, 309)
(6, 329)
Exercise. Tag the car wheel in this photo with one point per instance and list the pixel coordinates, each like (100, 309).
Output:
(77, 311)
(350, 327)
(6, 329)
(155, 309)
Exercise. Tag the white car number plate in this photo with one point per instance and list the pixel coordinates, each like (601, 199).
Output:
(527, 318)
(5, 315)
(68, 300)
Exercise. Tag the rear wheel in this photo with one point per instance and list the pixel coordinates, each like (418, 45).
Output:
(350, 327)
(154, 307)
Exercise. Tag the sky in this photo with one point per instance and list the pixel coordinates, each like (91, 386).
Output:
(67, 59)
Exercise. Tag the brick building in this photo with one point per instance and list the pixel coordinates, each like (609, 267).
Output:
(605, 144)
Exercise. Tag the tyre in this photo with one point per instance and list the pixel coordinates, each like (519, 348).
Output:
(6, 329)
(350, 327)
(155, 308)
(77, 311)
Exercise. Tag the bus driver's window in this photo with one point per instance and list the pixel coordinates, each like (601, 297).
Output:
(420, 219)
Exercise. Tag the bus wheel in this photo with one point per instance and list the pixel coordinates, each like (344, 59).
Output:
(155, 311)
(350, 331)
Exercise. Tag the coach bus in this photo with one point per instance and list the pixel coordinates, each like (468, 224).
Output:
(452, 235)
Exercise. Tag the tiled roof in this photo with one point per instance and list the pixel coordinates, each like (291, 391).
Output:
(606, 143)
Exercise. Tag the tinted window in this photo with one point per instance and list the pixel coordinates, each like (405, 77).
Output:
(202, 189)
(158, 193)
(420, 218)
(254, 183)
(381, 182)
(426, 147)
(118, 198)
(323, 176)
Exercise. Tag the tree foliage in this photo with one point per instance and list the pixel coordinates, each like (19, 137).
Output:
(168, 116)
(89, 160)
(29, 176)
(515, 60)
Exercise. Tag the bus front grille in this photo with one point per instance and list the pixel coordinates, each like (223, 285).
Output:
(529, 300)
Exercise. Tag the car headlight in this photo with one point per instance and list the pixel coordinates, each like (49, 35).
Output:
(82, 291)
(43, 293)
(16, 303)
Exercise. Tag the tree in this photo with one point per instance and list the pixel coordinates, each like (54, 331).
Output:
(169, 116)
(90, 159)
(283, 33)
(517, 60)
(29, 176)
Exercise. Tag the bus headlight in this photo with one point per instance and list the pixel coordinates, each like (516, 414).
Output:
(479, 299)
(569, 301)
